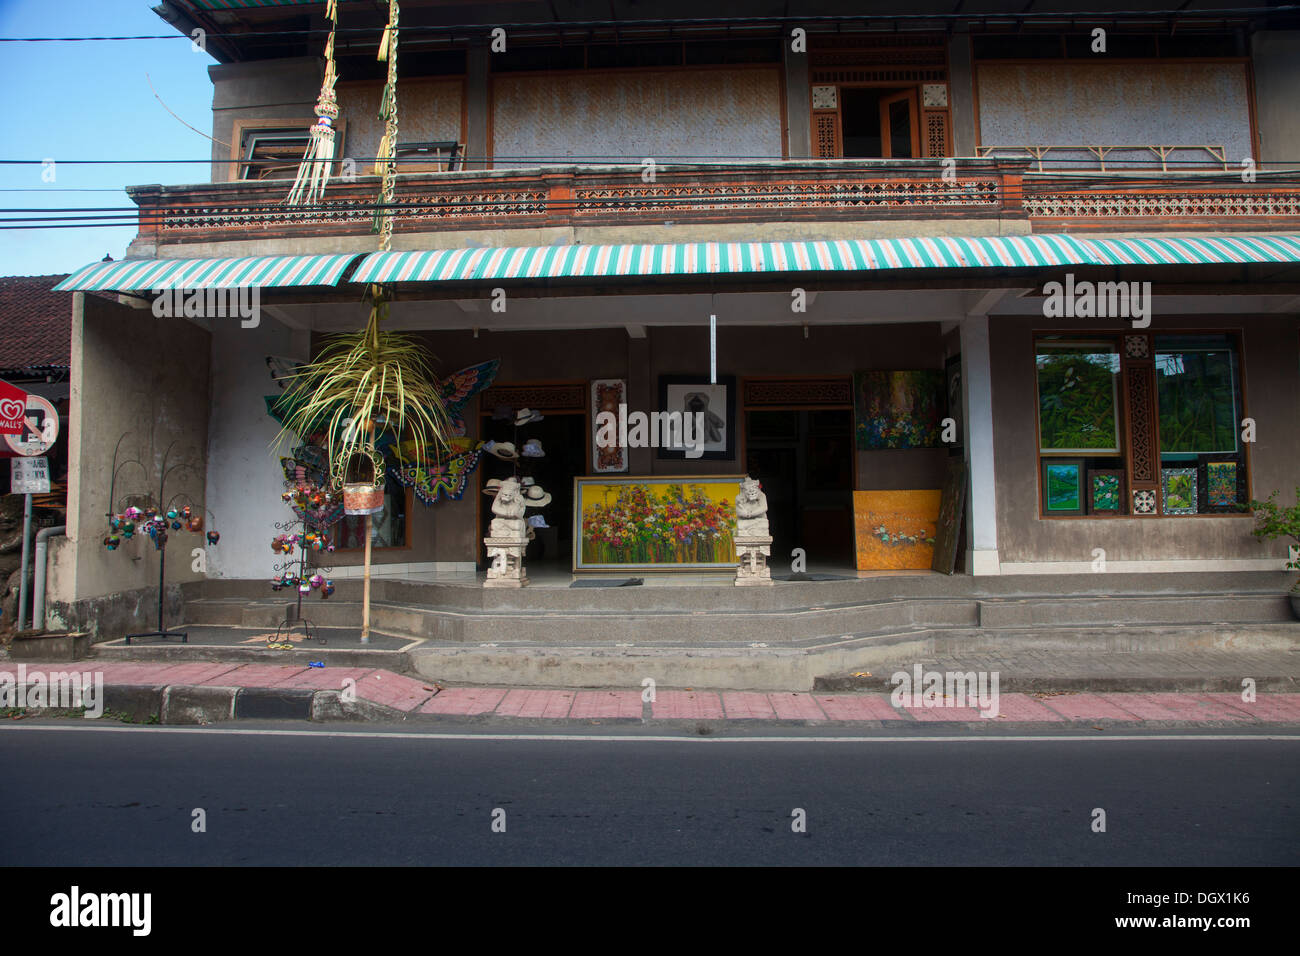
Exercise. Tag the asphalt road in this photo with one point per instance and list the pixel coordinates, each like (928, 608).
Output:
(127, 796)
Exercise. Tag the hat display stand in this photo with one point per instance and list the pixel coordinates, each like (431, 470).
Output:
(506, 556)
(154, 519)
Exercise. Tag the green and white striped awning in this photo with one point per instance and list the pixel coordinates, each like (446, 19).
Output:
(262, 271)
(1194, 250)
(688, 258)
(717, 258)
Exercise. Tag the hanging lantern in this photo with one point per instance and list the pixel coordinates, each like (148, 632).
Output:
(366, 497)
(213, 537)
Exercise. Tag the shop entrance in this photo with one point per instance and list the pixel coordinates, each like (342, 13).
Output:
(562, 437)
(804, 459)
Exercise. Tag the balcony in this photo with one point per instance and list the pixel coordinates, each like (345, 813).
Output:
(1004, 192)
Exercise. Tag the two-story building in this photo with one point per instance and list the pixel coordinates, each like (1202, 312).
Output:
(1084, 227)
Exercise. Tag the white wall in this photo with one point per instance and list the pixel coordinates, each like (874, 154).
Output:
(244, 476)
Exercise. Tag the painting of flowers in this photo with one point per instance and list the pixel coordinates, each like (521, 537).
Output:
(1221, 484)
(655, 523)
(896, 529)
(898, 409)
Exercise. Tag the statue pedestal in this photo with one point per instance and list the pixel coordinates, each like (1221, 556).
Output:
(753, 552)
(505, 562)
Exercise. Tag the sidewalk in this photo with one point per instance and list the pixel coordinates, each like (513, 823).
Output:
(195, 693)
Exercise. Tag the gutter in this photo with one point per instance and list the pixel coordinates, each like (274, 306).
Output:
(38, 592)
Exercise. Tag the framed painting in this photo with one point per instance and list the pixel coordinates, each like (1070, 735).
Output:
(1063, 492)
(896, 530)
(655, 522)
(951, 508)
(898, 409)
(1224, 481)
(1178, 491)
(953, 390)
(607, 394)
(1105, 491)
(715, 405)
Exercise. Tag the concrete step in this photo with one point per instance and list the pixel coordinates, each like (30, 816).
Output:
(798, 667)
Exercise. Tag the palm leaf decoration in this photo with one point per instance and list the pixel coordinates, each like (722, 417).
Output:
(363, 388)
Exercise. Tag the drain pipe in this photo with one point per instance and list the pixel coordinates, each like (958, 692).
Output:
(38, 590)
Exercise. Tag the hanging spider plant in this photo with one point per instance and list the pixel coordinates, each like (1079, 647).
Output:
(362, 387)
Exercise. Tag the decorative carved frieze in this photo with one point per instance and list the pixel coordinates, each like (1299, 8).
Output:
(793, 392)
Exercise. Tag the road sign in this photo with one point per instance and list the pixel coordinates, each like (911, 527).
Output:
(40, 428)
(29, 476)
(13, 405)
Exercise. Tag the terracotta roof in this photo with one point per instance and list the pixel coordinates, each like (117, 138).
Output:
(35, 323)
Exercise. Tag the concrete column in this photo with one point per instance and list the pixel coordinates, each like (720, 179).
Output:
(961, 94)
(1275, 56)
(977, 397)
(478, 106)
(798, 103)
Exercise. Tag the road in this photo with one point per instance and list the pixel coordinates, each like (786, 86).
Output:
(114, 795)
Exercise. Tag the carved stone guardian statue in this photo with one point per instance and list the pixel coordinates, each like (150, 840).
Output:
(753, 543)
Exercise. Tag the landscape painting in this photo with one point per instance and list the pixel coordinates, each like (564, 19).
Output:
(1062, 486)
(896, 530)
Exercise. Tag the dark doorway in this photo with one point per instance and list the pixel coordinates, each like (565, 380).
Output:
(563, 441)
(804, 459)
(878, 122)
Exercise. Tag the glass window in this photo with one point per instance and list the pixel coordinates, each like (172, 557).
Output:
(1198, 394)
(1077, 397)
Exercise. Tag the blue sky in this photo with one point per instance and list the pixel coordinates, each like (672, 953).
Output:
(70, 101)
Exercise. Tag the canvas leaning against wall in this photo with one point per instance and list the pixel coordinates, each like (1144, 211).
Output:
(896, 530)
(660, 523)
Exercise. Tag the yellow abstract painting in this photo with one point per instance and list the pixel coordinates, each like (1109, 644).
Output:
(895, 530)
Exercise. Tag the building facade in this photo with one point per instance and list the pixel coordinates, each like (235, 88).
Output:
(1016, 212)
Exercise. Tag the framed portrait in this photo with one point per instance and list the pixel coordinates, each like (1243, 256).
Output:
(712, 404)
(1105, 491)
(655, 522)
(1063, 491)
(607, 394)
(1178, 491)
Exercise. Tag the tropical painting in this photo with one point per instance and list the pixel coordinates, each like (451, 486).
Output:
(898, 409)
(656, 524)
(896, 530)
(1106, 491)
(1221, 484)
(1179, 485)
(1076, 398)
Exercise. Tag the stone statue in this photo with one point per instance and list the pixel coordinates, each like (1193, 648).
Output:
(751, 510)
(509, 508)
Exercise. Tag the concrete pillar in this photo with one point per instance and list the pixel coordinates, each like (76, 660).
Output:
(478, 106)
(961, 94)
(1275, 56)
(798, 103)
(977, 397)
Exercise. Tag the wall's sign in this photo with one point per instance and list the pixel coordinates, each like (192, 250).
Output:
(40, 428)
(13, 405)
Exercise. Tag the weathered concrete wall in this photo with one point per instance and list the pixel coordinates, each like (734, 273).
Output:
(244, 475)
(1272, 393)
(147, 378)
(1276, 60)
(262, 89)
(627, 117)
(1133, 104)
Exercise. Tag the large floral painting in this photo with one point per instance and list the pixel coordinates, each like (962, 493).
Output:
(659, 523)
(898, 409)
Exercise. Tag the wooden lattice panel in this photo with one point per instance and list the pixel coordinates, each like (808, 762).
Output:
(1142, 454)
(900, 75)
(827, 140)
(553, 398)
(935, 133)
(794, 392)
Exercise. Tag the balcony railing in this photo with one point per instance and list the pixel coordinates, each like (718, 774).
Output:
(780, 191)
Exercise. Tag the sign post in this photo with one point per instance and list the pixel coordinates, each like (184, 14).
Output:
(38, 431)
